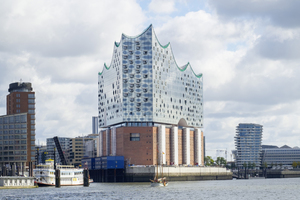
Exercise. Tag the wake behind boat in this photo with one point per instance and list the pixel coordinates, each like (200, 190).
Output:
(45, 174)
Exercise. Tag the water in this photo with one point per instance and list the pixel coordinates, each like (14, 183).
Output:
(228, 189)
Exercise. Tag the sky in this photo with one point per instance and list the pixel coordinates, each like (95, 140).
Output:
(247, 50)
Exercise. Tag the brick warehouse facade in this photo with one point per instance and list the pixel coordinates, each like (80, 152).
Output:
(149, 106)
(179, 149)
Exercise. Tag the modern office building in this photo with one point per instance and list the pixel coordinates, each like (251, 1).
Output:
(148, 104)
(283, 156)
(248, 144)
(64, 143)
(95, 125)
(77, 148)
(17, 128)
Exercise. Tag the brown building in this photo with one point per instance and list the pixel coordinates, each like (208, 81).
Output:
(19, 123)
(150, 145)
(77, 149)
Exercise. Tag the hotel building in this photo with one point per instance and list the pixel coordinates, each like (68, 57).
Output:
(17, 128)
(150, 109)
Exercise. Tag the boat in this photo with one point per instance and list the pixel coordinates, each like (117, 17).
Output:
(159, 182)
(45, 174)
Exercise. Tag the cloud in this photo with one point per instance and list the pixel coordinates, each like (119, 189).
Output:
(162, 7)
(282, 13)
(60, 47)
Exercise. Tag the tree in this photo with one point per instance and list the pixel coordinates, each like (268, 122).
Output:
(295, 164)
(208, 161)
(249, 165)
(253, 165)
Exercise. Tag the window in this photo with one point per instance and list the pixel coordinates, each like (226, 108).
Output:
(31, 111)
(30, 96)
(17, 95)
(30, 100)
(134, 137)
(18, 100)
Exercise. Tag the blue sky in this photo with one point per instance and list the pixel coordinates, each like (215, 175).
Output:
(247, 50)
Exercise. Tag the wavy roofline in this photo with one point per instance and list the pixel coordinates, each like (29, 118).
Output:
(182, 69)
(105, 66)
(139, 34)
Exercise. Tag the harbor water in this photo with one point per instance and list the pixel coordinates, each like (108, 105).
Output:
(285, 188)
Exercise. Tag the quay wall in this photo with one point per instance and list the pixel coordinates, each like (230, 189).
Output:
(282, 174)
(143, 174)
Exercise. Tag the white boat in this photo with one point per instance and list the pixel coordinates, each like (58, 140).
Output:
(45, 174)
(159, 182)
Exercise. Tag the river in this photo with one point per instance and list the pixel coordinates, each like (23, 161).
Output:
(287, 188)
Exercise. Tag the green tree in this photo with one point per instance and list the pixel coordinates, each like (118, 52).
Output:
(208, 161)
(220, 161)
(295, 164)
(249, 165)
(253, 165)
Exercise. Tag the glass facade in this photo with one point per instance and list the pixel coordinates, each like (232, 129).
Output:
(248, 144)
(280, 156)
(13, 138)
(144, 84)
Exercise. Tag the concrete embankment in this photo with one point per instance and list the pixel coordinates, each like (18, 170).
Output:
(143, 174)
(282, 174)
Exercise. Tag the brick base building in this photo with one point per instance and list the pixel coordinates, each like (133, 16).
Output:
(170, 145)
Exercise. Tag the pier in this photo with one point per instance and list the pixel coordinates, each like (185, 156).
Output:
(13, 182)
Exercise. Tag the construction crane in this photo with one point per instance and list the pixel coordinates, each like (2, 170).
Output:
(218, 151)
(60, 152)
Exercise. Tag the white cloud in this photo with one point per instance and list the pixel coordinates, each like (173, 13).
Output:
(60, 47)
(162, 7)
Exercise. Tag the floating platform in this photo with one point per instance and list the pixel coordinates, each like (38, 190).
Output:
(14, 182)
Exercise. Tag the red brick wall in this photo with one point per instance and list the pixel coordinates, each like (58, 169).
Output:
(104, 143)
(138, 152)
(168, 146)
(192, 148)
(179, 146)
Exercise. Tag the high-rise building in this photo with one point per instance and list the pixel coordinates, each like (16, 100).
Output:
(146, 102)
(248, 144)
(18, 127)
(95, 125)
